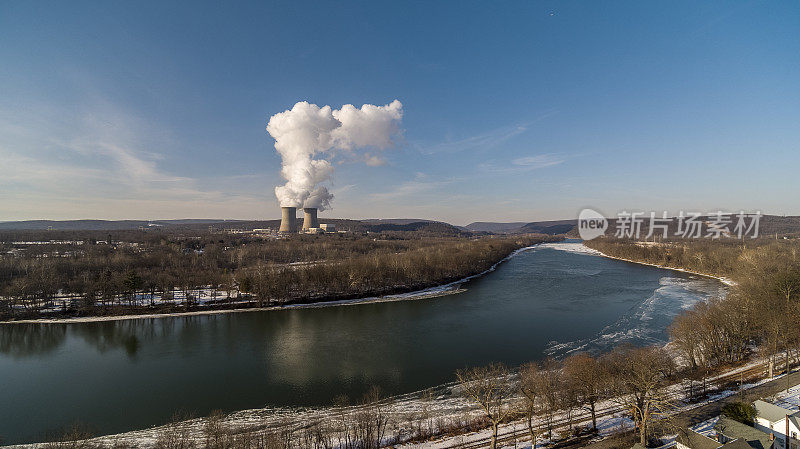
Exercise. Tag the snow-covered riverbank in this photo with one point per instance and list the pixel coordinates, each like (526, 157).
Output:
(432, 292)
(588, 250)
(429, 409)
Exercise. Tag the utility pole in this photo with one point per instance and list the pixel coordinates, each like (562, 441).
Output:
(741, 387)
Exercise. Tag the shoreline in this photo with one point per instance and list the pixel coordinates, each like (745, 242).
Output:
(722, 279)
(451, 288)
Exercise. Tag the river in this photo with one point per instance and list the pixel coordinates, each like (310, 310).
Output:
(122, 375)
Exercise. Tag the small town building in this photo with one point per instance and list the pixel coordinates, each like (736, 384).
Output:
(773, 419)
(726, 434)
(729, 431)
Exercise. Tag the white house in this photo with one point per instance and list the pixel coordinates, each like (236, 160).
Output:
(773, 419)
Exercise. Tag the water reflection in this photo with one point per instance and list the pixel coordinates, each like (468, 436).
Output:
(24, 340)
(34, 340)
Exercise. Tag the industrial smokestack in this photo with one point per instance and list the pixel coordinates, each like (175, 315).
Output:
(288, 219)
(310, 218)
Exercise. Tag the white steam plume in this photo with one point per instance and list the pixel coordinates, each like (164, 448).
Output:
(308, 136)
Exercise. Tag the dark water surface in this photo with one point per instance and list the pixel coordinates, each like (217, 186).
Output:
(124, 375)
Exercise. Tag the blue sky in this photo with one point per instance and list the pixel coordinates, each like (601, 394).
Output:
(514, 111)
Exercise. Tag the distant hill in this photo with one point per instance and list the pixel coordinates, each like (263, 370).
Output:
(769, 225)
(400, 221)
(497, 228)
(424, 227)
(551, 227)
(781, 225)
(108, 225)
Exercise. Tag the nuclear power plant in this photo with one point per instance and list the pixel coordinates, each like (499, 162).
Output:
(310, 222)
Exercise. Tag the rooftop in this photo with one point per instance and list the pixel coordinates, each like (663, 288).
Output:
(695, 440)
(735, 430)
(771, 412)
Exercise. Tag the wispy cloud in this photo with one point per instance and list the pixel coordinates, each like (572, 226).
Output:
(374, 160)
(57, 165)
(421, 184)
(484, 140)
(539, 161)
(343, 189)
(524, 164)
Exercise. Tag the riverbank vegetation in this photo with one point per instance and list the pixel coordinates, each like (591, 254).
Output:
(761, 309)
(129, 272)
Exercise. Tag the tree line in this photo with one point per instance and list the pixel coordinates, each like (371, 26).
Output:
(761, 309)
(149, 271)
(635, 379)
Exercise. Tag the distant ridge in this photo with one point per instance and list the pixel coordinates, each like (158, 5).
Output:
(551, 227)
(488, 226)
(769, 225)
(400, 221)
(103, 225)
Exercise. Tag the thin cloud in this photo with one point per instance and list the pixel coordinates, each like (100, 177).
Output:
(539, 161)
(343, 189)
(486, 140)
(106, 167)
(374, 160)
(525, 164)
(412, 188)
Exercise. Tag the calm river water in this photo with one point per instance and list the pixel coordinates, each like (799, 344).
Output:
(124, 375)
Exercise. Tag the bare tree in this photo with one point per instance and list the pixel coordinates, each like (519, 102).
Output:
(588, 378)
(490, 388)
(371, 420)
(640, 376)
(530, 382)
(550, 390)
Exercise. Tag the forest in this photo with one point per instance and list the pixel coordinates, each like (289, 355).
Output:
(84, 273)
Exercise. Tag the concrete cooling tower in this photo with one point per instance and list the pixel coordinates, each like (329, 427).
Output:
(310, 218)
(289, 219)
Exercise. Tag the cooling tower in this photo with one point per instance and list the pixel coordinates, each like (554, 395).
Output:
(310, 218)
(288, 219)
